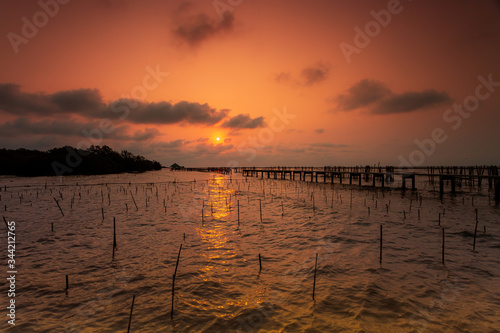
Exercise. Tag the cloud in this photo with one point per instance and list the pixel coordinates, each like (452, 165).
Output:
(282, 77)
(14, 101)
(195, 29)
(362, 94)
(21, 127)
(242, 121)
(319, 131)
(145, 134)
(77, 100)
(308, 76)
(168, 113)
(381, 100)
(314, 74)
(88, 103)
(411, 101)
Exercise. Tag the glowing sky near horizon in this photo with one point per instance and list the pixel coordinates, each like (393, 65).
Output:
(255, 82)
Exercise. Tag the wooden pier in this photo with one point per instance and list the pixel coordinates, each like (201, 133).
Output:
(453, 175)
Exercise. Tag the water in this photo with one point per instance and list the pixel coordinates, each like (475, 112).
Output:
(219, 287)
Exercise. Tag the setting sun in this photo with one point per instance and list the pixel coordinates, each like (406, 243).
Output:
(218, 139)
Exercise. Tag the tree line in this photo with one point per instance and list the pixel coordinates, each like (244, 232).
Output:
(95, 160)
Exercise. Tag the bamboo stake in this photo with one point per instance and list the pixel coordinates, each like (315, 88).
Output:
(134, 199)
(57, 206)
(315, 268)
(442, 250)
(475, 233)
(380, 243)
(260, 209)
(173, 282)
(130, 317)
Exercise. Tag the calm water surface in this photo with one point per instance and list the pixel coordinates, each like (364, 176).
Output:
(219, 286)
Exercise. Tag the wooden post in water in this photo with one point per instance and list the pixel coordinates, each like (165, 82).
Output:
(380, 260)
(114, 233)
(57, 202)
(67, 283)
(315, 269)
(133, 199)
(442, 249)
(173, 282)
(130, 317)
(260, 263)
(260, 209)
(238, 213)
(475, 233)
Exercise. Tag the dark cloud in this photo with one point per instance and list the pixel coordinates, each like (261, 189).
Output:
(168, 113)
(411, 101)
(362, 94)
(243, 121)
(21, 127)
(197, 28)
(88, 103)
(314, 74)
(381, 100)
(14, 101)
(319, 131)
(77, 100)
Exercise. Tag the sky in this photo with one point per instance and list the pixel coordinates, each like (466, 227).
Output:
(255, 82)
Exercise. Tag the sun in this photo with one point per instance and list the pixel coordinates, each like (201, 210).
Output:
(217, 138)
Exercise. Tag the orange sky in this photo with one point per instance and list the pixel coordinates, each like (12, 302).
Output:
(234, 64)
